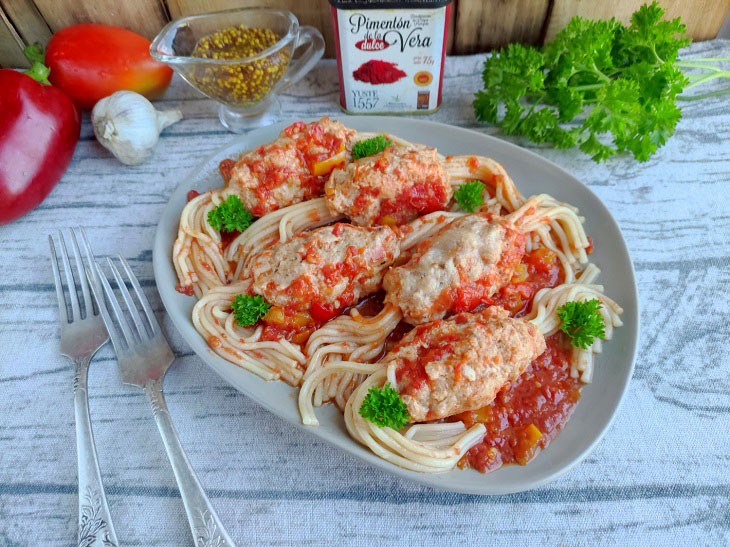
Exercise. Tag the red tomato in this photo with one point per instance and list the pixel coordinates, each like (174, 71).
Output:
(322, 313)
(39, 127)
(90, 62)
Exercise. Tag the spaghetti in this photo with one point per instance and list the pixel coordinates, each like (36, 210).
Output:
(528, 255)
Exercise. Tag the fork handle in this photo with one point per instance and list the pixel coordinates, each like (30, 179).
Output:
(95, 523)
(204, 523)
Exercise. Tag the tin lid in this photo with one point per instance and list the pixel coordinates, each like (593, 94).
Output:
(389, 4)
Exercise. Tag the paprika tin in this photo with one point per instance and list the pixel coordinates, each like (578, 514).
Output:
(390, 54)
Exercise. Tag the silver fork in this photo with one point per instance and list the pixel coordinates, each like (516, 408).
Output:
(81, 338)
(144, 357)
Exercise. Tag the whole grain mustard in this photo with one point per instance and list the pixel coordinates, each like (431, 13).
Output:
(241, 84)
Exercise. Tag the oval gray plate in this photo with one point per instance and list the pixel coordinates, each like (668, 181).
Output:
(532, 174)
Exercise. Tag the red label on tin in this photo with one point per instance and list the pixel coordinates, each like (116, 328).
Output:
(372, 44)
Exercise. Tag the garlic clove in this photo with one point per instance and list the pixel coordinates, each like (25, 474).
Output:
(165, 118)
(126, 124)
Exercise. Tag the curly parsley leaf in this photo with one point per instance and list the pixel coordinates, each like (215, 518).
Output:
(582, 322)
(602, 86)
(384, 407)
(230, 216)
(247, 309)
(470, 195)
(370, 147)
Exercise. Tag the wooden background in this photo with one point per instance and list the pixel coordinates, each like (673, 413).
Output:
(477, 25)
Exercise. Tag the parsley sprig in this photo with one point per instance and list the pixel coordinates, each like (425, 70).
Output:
(582, 322)
(384, 407)
(621, 83)
(230, 216)
(470, 195)
(370, 147)
(247, 309)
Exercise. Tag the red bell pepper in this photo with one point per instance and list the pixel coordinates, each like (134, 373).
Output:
(39, 128)
(90, 62)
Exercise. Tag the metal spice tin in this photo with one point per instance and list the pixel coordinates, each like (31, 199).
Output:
(390, 54)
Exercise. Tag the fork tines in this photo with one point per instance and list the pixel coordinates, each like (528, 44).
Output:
(72, 281)
(124, 333)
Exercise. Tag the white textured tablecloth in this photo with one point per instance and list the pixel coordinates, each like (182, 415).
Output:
(660, 476)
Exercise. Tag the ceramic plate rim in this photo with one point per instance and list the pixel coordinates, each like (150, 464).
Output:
(480, 484)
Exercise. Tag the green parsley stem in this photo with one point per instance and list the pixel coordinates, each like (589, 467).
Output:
(705, 60)
(717, 93)
(587, 87)
(707, 77)
(696, 65)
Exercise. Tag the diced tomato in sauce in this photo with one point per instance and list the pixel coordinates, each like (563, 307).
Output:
(293, 129)
(314, 137)
(413, 373)
(541, 269)
(227, 237)
(192, 194)
(226, 169)
(322, 313)
(187, 290)
(422, 198)
(527, 414)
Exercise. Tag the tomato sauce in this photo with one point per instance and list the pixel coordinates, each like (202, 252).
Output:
(187, 290)
(226, 169)
(420, 198)
(539, 269)
(527, 414)
(412, 374)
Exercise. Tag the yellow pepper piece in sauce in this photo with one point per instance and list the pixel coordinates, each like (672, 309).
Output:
(532, 434)
(325, 166)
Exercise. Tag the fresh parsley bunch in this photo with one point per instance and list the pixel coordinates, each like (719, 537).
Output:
(582, 322)
(621, 83)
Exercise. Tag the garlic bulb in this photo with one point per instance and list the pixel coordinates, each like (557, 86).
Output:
(126, 124)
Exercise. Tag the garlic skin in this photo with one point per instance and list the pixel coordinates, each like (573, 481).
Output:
(126, 124)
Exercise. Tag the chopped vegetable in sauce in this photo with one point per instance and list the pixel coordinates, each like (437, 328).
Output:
(470, 196)
(582, 322)
(370, 147)
(249, 309)
(384, 408)
(230, 216)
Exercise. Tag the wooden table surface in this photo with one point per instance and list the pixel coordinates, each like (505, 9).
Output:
(659, 477)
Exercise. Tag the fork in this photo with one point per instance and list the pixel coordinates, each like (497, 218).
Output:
(81, 338)
(144, 357)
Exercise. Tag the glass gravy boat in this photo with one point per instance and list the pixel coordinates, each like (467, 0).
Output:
(210, 52)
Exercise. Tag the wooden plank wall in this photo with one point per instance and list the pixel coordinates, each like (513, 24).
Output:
(477, 25)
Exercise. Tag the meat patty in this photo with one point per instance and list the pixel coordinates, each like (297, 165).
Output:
(451, 366)
(391, 188)
(324, 270)
(457, 269)
(291, 169)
